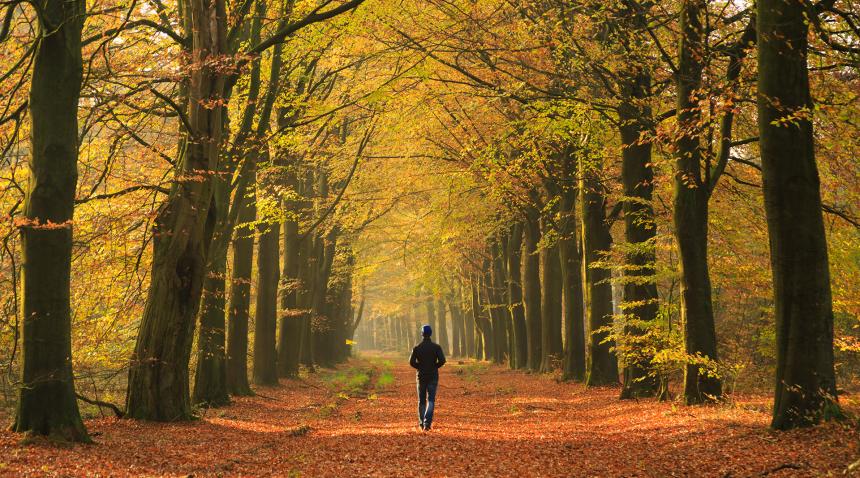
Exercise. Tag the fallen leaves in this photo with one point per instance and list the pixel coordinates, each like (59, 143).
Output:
(489, 421)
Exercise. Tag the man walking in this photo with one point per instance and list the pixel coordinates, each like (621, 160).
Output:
(427, 357)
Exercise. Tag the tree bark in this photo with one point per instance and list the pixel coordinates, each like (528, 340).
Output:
(692, 192)
(602, 364)
(551, 297)
(519, 351)
(268, 261)
(158, 386)
(637, 176)
(210, 379)
(442, 323)
(456, 330)
(805, 379)
(240, 297)
(46, 397)
(532, 289)
(573, 366)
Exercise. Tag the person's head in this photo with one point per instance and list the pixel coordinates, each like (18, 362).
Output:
(426, 331)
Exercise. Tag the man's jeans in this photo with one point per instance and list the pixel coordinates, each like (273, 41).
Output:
(426, 400)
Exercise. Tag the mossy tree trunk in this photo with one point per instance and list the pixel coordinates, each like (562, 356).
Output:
(497, 300)
(46, 397)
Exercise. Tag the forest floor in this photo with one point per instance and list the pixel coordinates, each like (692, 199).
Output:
(360, 420)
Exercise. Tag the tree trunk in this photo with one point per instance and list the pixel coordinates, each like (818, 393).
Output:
(499, 303)
(289, 340)
(456, 330)
(158, 386)
(602, 364)
(637, 176)
(240, 297)
(470, 321)
(482, 323)
(805, 379)
(691, 215)
(210, 379)
(442, 323)
(265, 355)
(551, 292)
(519, 351)
(573, 366)
(46, 397)
(532, 289)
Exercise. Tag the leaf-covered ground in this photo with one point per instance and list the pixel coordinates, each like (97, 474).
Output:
(360, 421)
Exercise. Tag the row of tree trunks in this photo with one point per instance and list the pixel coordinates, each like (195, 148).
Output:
(158, 387)
(210, 380)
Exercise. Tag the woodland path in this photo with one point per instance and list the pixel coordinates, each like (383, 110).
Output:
(490, 422)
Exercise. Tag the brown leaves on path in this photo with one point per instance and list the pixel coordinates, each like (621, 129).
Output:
(489, 421)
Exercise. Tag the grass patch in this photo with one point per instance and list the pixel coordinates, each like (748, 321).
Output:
(350, 381)
(471, 372)
(385, 380)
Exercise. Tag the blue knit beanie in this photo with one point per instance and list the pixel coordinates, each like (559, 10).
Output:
(426, 331)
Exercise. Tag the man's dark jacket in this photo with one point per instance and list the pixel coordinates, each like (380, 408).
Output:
(427, 357)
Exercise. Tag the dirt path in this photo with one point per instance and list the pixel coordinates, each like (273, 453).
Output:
(489, 422)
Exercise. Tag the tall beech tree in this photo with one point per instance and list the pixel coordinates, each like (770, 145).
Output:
(532, 288)
(640, 291)
(805, 379)
(46, 396)
(698, 170)
(691, 212)
(570, 255)
(602, 364)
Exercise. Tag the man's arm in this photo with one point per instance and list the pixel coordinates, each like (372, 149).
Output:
(440, 357)
(413, 360)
